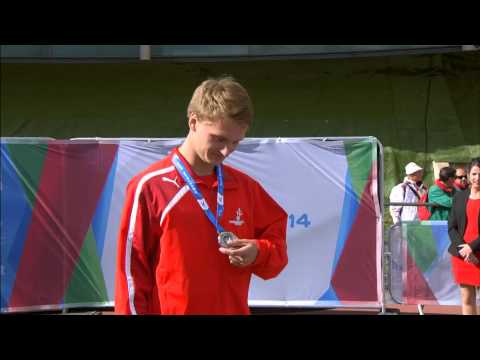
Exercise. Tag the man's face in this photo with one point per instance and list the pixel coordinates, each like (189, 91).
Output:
(461, 179)
(450, 182)
(417, 176)
(215, 140)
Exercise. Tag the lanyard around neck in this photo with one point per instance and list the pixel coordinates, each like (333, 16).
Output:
(180, 166)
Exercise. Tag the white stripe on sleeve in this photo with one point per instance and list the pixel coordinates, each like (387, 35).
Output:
(131, 229)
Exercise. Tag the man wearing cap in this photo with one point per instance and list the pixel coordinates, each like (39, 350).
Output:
(408, 191)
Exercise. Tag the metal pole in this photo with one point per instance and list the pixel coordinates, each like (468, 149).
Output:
(145, 52)
(411, 204)
(420, 309)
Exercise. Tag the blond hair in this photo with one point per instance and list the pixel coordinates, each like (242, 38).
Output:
(222, 98)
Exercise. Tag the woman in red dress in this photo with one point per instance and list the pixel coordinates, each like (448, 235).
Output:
(463, 229)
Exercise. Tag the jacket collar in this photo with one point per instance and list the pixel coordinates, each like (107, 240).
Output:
(230, 182)
(442, 186)
(407, 180)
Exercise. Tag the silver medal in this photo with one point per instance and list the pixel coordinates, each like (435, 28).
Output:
(224, 237)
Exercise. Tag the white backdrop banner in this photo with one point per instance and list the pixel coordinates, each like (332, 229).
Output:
(329, 188)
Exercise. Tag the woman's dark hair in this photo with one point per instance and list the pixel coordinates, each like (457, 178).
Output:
(447, 173)
(474, 162)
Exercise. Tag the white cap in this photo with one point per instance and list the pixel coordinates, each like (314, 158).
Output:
(412, 168)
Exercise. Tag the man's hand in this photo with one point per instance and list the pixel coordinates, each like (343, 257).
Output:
(465, 250)
(241, 252)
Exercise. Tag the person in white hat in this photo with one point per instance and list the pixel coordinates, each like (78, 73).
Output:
(408, 191)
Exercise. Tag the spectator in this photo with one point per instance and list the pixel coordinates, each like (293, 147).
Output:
(441, 194)
(463, 229)
(408, 191)
(461, 182)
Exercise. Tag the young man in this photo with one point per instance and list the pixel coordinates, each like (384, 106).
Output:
(442, 194)
(193, 230)
(408, 191)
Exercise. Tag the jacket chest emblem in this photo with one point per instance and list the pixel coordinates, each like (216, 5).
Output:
(238, 218)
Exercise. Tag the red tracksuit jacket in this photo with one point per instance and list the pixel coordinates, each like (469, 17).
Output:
(168, 259)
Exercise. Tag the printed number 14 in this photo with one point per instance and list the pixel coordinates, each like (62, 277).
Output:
(302, 220)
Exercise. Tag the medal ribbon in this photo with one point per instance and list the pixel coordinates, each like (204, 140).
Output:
(198, 195)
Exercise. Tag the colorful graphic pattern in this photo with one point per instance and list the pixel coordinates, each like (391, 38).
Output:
(52, 197)
(355, 274)
(421, 265)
